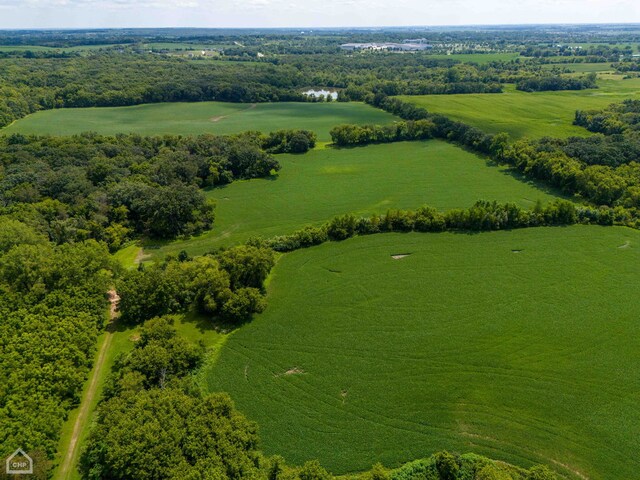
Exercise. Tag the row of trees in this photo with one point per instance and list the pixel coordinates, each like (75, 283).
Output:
(482, 216)
(349, 134)
(557, 82)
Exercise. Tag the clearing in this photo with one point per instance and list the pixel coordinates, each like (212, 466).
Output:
(463, 346)
(196, 118)
(314, 187)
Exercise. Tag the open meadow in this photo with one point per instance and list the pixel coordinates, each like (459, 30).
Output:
(314, 187)
(521, 345)
(532, 115)
(196, 118)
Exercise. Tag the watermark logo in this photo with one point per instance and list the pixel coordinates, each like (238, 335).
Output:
(19, 463)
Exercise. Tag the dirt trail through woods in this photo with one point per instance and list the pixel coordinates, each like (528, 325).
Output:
(85, 407)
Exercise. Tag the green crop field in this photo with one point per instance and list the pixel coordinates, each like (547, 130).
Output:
(529, 114)
(581, 67)
(313, 188)
(521, 345)
(197, 118)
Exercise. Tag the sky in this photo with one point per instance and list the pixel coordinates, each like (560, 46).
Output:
(308, 13)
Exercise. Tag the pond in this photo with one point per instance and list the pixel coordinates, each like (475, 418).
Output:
(321, 93)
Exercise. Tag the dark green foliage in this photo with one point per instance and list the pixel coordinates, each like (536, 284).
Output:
(482, 216)
(229, 285)
(53, 306)
(112, 188)
(169, 434)
(290, 141)
(603, 171)
(559, 82)
(159, 358)
(248, 266)
(345, 135)
(447, 466)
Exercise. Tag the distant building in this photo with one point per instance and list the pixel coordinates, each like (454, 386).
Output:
(402, 47)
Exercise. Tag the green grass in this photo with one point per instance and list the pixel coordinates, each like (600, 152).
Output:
(464, 345)
(529, 114)
(128, 255)
(197, 118)
(313, 188)
(480, 58)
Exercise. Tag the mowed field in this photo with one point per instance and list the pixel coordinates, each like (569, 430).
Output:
(314, 187)
(521, 345)
(529, 114)
(197, 118)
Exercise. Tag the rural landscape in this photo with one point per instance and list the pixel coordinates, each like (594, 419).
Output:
(403, 253)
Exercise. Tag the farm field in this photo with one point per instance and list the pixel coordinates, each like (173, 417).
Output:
(521, 345)
(313, 188)
(197, 118)
(581, 67)
(529, 114)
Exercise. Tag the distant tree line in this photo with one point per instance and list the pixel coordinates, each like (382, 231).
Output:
(557, 82)
(113, 78)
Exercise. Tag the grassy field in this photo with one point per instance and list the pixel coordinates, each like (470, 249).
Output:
(313, 188)
(529, 114)
(581, 67)
(196, 118)
(520, 345)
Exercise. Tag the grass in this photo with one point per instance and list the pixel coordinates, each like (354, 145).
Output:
(313, 188)
(197, 118)
(581, 67)
(465, 345)
(127, 256)
(529, 114)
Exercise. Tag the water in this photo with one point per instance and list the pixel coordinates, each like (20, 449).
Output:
(322, 93)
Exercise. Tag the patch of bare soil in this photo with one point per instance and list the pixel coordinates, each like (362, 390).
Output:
(141, 256)
(291, 371)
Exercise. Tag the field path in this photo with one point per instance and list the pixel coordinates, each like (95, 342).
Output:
(85, 407)
(222, 117)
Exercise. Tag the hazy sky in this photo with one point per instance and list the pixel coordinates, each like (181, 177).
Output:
(307, 13)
